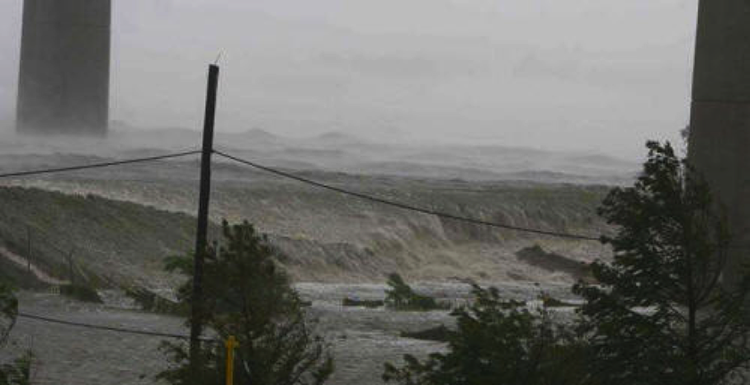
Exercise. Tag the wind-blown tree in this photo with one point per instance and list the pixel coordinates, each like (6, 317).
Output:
(401, 296)
(248, 297)
(8, 311)
(660, 314)
(499, 341)
(18, 372)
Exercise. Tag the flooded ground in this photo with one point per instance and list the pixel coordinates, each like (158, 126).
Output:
(361, 339)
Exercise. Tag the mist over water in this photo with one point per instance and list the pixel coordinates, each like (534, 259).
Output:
(573, 76)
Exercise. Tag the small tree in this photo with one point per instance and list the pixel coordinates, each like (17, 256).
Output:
(8, 311)
(17, 373)
(248, 297)
(400, 293)
(498, 341)
(660, 314)
(401, 296)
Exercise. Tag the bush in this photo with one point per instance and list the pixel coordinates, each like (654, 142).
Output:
(498, 341)
(81, 293)
(151, 302)
(17, 373)
(249, 297)
(8, 311)
(400, 296)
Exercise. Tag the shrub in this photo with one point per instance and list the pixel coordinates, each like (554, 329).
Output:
(152, 302)
(498, 341)
(400, 296)
(249, 297)
(81, 293)
(17, 373)
(8, 311)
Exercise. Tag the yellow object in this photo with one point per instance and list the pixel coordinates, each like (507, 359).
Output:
(231, 344)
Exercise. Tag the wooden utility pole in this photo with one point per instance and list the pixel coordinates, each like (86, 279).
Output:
(197, 317)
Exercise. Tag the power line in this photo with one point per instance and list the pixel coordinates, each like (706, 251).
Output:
(405, 206)
(310, 182)
(107, 328)
(98, 165)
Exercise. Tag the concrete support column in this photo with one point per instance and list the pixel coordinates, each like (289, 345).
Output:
(719, 144)
(63, 83)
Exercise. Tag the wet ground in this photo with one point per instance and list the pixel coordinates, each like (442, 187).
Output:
(361, 339)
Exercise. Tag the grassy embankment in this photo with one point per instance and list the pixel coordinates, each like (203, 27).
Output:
(110, 243)
(117, 243)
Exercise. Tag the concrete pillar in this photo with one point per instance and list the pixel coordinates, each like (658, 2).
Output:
(63, 83)
(719, 143)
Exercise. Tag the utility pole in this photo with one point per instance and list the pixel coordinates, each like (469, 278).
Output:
(197, 316)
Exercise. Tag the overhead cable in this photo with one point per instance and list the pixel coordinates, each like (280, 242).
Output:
(106, 328)
(97, 165)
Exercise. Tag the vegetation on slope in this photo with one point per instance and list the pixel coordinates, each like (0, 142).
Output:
(20, 277)
(19, 371)
(327, 237)
(96, 240)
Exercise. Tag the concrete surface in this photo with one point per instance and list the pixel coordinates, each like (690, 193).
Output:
(719, 144)
(65, 67)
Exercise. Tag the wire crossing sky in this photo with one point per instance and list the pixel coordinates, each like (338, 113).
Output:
(18, 174)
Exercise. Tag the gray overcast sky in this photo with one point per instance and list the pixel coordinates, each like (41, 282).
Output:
(576, 74)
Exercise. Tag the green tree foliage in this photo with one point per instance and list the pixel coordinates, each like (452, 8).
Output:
(401, 296)
(498, 341)
(660, 314)
(17, 373)
(81, 292)
(8, 311)
(248, 297)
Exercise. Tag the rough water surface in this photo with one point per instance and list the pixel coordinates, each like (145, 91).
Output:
(361, 339)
